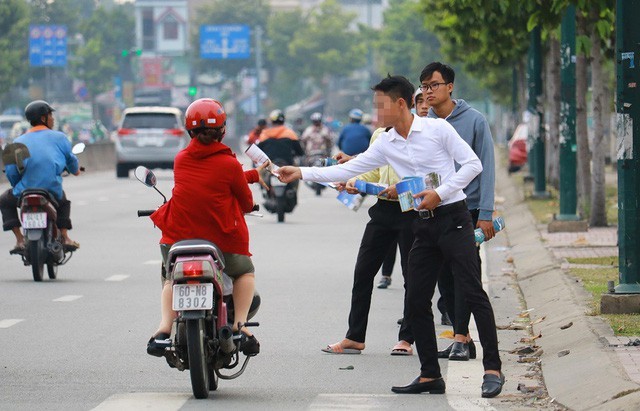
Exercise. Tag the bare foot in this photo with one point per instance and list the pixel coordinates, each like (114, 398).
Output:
(346, 344)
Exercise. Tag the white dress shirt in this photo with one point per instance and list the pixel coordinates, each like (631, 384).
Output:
(431, 146)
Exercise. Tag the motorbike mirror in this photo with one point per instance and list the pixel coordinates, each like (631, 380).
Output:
(145, 176)
(78, 148)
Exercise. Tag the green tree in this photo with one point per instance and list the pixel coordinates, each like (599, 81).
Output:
(405, 45)
(286, 86)
(489, 37)
(326, 45)
(62, 12)
(250, 12)
(14, 25)
(99, 58)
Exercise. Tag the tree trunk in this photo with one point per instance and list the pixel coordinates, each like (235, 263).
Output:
(582, 133)
(598, 217)
(553, 101)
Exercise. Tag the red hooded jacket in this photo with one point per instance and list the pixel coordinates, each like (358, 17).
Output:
(209, 199)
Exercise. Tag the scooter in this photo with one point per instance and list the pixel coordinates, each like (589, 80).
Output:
(44, 244)
(316, 159)
(203, 342)
(279, 198)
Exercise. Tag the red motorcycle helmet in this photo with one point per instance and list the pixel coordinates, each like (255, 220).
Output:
(205, 113)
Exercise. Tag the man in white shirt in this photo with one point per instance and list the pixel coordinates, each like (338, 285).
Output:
(415, 147)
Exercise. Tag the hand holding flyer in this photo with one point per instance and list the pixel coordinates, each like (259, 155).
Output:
(259, 157)
(410, 186)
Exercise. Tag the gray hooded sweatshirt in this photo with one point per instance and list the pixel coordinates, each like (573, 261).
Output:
(474, 129)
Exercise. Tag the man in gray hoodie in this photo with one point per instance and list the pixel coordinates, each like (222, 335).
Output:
(437, 81)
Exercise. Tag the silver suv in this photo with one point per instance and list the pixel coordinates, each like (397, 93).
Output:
(149, 136)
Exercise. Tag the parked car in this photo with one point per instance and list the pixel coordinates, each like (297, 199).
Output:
(518, 148)
(6, 122)
(149, 136)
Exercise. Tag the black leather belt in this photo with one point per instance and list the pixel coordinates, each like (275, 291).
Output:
(443, 210)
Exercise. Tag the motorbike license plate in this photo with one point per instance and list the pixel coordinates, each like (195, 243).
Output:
(34, 220)
(192, 297)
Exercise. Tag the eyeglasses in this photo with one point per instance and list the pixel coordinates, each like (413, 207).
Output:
(432, 86)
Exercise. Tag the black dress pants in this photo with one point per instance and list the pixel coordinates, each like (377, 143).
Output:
(453, 294)
(446, 238)
(388, 223)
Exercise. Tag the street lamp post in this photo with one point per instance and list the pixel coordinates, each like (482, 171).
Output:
(535, 108)
(628, 143)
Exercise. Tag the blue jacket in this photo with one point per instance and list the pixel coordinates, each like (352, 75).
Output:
(474, 129)
(49, 155)
(354, 139)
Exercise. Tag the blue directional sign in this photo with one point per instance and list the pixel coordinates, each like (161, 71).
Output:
(47, 45)
(225, 41)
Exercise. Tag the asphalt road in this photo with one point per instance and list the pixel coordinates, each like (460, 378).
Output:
(78, 343)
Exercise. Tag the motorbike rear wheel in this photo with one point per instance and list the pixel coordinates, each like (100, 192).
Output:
(281, 203)
(197, 358)
(52, 270)
(37, 255)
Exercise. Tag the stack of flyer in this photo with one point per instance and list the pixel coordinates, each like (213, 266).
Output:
(411, 185)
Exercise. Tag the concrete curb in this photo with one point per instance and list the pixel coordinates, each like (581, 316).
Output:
(590, 376)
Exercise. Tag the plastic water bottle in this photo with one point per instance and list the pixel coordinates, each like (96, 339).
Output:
(498, 225)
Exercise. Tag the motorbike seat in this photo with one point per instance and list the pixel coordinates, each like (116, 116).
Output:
(195, 246)
(41, 192)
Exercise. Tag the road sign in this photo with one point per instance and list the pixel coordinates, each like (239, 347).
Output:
(226, 41)
(47, 45)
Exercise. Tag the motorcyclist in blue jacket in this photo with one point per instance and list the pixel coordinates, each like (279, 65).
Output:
(46, 154)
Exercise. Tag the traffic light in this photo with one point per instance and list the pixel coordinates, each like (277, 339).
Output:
(125, 52)
(193, 90)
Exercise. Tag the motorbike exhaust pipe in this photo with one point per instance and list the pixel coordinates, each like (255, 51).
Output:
(225, 335)
(56, 250)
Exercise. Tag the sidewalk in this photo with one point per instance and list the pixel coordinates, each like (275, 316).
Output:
(584, 365)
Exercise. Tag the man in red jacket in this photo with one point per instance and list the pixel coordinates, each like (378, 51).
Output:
(209, 200)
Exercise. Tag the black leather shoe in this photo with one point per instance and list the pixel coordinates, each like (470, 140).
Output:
(445, 320)
(492, 385)
(445, 353)
(416, 387)
(459, 352)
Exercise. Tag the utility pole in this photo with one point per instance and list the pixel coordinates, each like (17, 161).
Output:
(628, 143)
(536, 125)
(258, 70)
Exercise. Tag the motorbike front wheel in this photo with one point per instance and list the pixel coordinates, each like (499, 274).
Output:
(281, 203)
(197, 358)
(37, 255)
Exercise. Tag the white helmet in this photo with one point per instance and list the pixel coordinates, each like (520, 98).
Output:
(316, 117)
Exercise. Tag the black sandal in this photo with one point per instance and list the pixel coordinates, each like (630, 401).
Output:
(158, 344)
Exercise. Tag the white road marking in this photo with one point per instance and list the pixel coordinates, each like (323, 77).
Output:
(9, 322)
(103, 199)
(80, 203)
(464, 378)
(117, 277)
(353, 401)
(157, 401)
(153, 262)
(67, 298)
